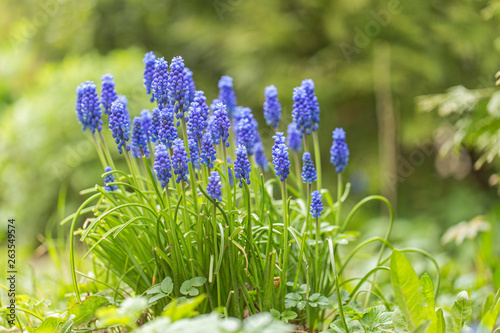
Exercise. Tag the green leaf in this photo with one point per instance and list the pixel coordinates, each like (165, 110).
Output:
(314, 297)
(187, 287)
(441, 323)
(407, 290)
(371, 317)
(288, 315)
(276, 314)
(430, 308)
(461, 311)
(489, 319)
(85, 311)
(49, 325)
(301, 305)
(156, 297)
(154, 289)
(423, 327)
(167, 285)
(290, 303)
(198, 281)
(399, 322)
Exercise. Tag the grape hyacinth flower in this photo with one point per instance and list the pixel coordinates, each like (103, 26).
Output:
(147, 120)
(119, 125)
(260, 157)
(160, 82)
(194, 152)
(180, 160)
(308, 169)
(149, 70)
(227, 95)
(294, 137)
(242, 165)
(199, 97)
(178, 90)
(168, 132)
(109, 178)
(316, 204)
(90, 109)
(301, 111)
(221, 124)
(312, 101)
(195, 121)
(214, 187)
(281, 162)
(139, 139)
(78, 104)
(108, 93)
(191, 87)
(207, 153)
(246, 129)
(272, 106)
(339, 152)
(123, 99)
(154, 129)
(162, 165)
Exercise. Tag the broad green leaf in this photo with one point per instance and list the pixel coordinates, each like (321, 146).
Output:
(179, 310)
(290, 303)
(49, 325)
(288, 315)
(301, 305)
(423, 327)
(371, 316)
(198, 281)
(156, 297)
(489, 319)
(167, 285)
(276, 314)
(441, 323)
(399, 322)
(428, 292)
(154, 290)
(407, 290)
(314, 297)
(85, 311)
(461, 311)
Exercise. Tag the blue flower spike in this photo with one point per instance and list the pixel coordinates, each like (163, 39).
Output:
(339, 152)
(214, 187)
(162, 165)
(272, 106)
(108, 92)
(109, 178)
(308, 169)
(316, 204)
(242, 165)
(281, 161)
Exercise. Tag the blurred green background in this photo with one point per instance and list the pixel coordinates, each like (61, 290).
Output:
(366, 57)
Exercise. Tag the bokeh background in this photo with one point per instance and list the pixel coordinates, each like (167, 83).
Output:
(369, 59)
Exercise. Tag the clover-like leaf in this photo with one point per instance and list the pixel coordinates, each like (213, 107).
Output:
(156, 297)
(167, 285)
(288, 315)
(154, 290)
(276, 314)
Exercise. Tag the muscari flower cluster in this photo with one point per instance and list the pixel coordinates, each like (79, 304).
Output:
(149, 69)
(139, 141)
(242, 165)
(227, 95)
(159, 85)
(109, 178)
(119, 125)
(108, 93)
(308, 169)
(89, 111)
(214, 187)
(162, 165)
(178, 88)
(305, 111)
(316, 204)
(180, 160)
(281, 160)
(220, 125)
(294, 137)
(167, 132)
(207, 151)
(339, 152)
(272, 106)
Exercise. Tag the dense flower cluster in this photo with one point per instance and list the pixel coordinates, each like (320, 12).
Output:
(160, 82)
(308, 169)
(139, 141)
(196, 121)
(89, 113)
(199, 97)
(339, 152)
(246, 133)
(281, 161)
(149, 69)
(207, 151)
(294, 137)
(305, 110)
(191, 87)
(316, 204)
(312, 102)
(227, 95)
(180, 160)
(78, 104)
(167, 132)
(221, 124)
(146, 119)
(178, 88)
(272, 106)
(108, 92)
(119, 125)
(214, 187)
(242, 165)
(162, 165)
(109, 178)
(194, 152)
(154, 129)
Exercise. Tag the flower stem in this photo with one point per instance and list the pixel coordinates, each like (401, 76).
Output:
(317, 157)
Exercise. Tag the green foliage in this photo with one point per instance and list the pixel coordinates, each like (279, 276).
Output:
(461, 311)
(126, 314)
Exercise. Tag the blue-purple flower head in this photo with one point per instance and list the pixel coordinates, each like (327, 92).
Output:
(207, 151)
(191, 87)
(227, 95)
(339, 152)
(308, 169)
(199, 97)
(149, 70)
(194, 152)
(301, 111)
(180, 160)
(109, 178)
(78, 104)
(221, 124)
(167, 132)
(245, 133)
(242, 165)
(159, 85)
(154, 129)
(312, 101)
(147, 122)
(196, 121)
(162, 165)
(294, 137)
(214, 187)
(316, 204)
(108, 93)
(90, 111)
(178, 88)
(139, 141)
(119, 125)
(281, 160)
(272, 106)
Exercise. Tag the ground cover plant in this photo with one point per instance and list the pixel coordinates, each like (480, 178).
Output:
(198, 217)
